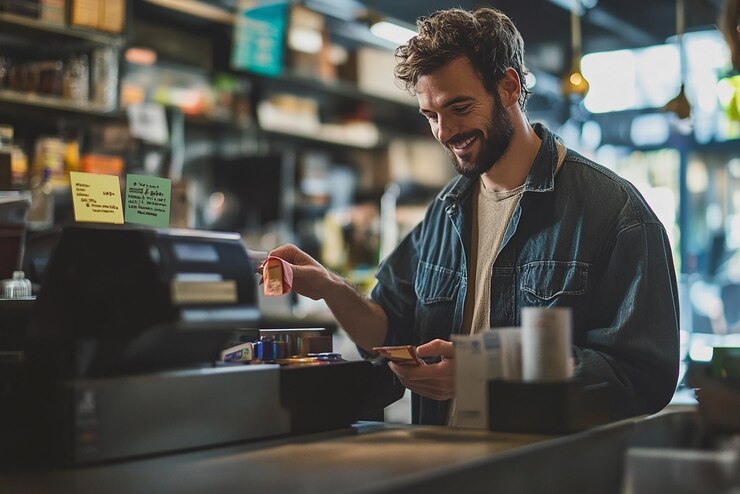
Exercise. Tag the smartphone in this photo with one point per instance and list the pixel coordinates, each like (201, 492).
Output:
(404, 354)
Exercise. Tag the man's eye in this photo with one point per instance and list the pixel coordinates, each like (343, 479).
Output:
(431, 118)
(462, 109)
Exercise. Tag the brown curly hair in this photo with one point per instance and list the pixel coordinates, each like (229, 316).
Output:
(486, 36)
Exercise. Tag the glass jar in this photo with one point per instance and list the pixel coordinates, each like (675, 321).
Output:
(17, 287)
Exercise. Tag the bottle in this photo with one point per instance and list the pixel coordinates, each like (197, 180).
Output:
(76, 81)
(41, 214)
(19, 168)
(6, 150)
(104, 78)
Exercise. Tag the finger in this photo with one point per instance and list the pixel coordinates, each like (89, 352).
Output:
(422, 388)
(430, 372)
(407, 372)
(436, 348)
(289, 253)
(433, 392)
(436, 387)
(439, 388)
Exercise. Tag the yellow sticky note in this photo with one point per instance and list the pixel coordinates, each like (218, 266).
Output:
(96, 197)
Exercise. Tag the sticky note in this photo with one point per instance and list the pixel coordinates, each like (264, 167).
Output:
(96, 198)
(148, 200)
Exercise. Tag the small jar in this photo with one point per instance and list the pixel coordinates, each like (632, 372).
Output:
(17, 287)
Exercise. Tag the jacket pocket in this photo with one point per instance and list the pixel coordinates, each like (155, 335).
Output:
(547, 280)
(435, 284)
(437, 288)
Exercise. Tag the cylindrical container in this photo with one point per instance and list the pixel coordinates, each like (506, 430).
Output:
(6, 157)
(17, 287)
(257, 350)
(546, 344)
(104, 77)
(280, 349)
(511, 352)
(266, 349)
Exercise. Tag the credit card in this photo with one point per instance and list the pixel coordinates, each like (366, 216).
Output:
(403, 354)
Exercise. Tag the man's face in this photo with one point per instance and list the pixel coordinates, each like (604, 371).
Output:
(464, 117)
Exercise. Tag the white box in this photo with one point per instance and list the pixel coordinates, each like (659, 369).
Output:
(478, 358)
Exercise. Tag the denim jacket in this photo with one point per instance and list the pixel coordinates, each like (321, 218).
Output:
(582, 238)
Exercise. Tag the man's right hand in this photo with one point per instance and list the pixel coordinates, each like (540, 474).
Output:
(364, 320)
(310, 278)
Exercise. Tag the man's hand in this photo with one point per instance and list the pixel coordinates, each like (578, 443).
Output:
(310, 278)
(364, 320)
(436, 381)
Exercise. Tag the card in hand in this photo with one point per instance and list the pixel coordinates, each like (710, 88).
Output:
(272, 274)
(404, 354)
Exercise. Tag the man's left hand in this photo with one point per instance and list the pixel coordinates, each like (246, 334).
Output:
(435, 381)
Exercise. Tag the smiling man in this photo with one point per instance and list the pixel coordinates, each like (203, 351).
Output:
(527, 223)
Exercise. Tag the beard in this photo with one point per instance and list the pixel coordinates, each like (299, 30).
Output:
(500, 133)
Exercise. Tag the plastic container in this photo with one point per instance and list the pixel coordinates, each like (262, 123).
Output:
(17, 287)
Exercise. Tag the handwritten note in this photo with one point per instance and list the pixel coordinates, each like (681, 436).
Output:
(96, 198)
(148, 200)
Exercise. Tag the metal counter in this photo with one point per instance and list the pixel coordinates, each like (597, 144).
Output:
(376, 457)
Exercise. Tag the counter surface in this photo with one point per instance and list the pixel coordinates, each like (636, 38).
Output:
(370, 458)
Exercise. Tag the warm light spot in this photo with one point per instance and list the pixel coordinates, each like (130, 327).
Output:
(141, 56)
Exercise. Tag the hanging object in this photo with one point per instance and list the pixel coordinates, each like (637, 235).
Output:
(573, 84)
(680, 104)
(729, 25)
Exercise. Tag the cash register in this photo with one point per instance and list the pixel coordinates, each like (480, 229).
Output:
(121, 350)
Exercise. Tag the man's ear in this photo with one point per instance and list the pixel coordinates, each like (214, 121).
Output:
(509, 88)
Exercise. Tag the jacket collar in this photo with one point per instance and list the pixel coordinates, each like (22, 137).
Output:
(541, 177)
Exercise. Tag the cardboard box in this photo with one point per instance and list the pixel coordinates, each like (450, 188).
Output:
(85, 13)
(112, 16)
(26, 8)
(54, 11)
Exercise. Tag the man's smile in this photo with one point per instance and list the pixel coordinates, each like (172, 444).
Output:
(461, 147)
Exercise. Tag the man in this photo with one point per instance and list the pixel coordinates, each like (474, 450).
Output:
(527, 223)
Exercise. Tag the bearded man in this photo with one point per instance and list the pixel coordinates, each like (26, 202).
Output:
(527, 222)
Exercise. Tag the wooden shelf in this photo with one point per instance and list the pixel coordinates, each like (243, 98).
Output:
(337, 88)
(344, 89)
(53, 103)
(317, 138)
(20, 25)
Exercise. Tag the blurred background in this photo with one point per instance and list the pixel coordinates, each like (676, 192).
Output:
(281, 120)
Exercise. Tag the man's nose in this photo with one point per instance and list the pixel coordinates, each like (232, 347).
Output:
(445, 130)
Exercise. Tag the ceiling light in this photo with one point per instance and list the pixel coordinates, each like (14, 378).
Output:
(680, 104)
(574, 85)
